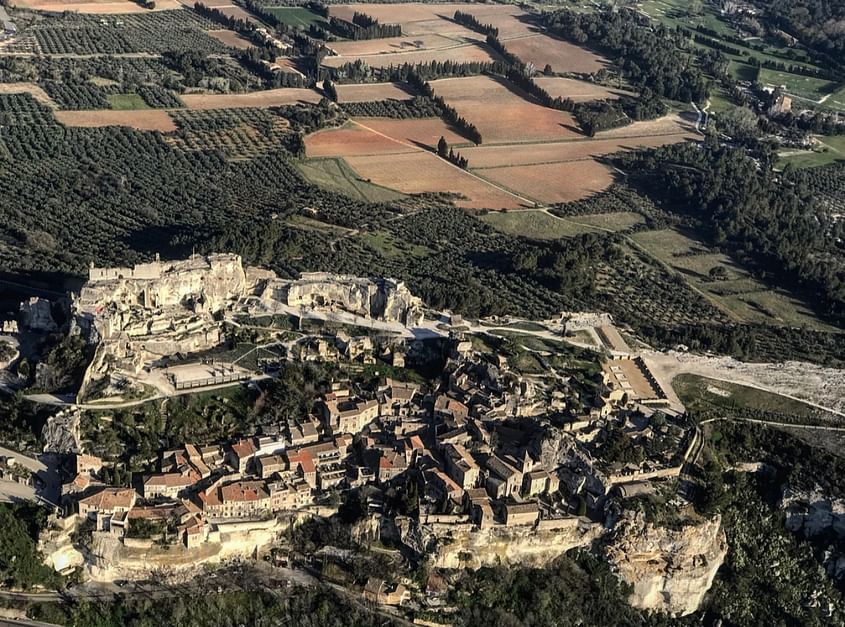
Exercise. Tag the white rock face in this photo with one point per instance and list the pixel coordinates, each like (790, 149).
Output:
(466, 546)
(37, 315)
(61, 433)
(377, 298)
(812, 513)
(670, 570)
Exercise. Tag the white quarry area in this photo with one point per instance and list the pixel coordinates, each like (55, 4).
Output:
(142, 315)
(670, 570)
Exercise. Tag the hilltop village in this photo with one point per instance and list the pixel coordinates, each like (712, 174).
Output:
(484, 459)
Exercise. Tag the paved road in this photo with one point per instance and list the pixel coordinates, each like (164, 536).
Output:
(49, 491)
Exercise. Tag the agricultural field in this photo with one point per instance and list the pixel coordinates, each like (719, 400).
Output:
(418, 172)
(534, 223)
(351, 140)
(388, 246)
(32, 89)
(740, 295)
(835, 100)
(297, 16)
(829, 149)
(552, 183)
(406, 43)
(372, 91)
(493, 156)
(237, 12)
(142, 120)
(422, 19)
(123, 102)
(236, 133)
(230, 38)
(503, 113)
(107, 7)
(578, 91)
(266, 98)
(542, 50)
(423, 133)
(473, 51)
(335, 174)
(150, 32)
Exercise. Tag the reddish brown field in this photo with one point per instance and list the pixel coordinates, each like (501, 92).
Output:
(230, 38)
(107, 7)
(372, 91)
(423, 132)
(476, 51)
(238, 12)
(143, 119)
(510, 20)
(419, 19)
(553, 182)
(351, 140)
(561, 55)
(501, 114)
(387, 45)
(560, 152)
(579, 91)
(267, 98)
(419, 172)
(672, 124)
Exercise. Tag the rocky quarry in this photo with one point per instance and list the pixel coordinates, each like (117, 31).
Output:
(670, 570)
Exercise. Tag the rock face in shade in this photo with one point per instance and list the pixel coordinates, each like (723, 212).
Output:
(37, 316)
(670, 569)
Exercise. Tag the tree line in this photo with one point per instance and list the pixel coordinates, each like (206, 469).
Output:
(472, 22)
(450, 115)
(363, 27)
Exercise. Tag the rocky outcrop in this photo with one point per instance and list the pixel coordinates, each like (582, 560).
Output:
(811, 513)
(61, 432)
(670, 570)
(816, 515)
(376, 298)
(466, 546)
(37, 315)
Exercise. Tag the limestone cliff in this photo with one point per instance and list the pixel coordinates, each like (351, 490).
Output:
(670, 569)
(377, 298)
(467, 546)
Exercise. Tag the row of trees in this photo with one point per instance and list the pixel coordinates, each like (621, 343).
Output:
(470, 21)
(450, 115)
(444, 151)
(363, 27)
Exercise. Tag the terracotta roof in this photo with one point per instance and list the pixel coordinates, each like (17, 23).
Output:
(171, 479)
(110, 498)
(244, 448)
(241, 491)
